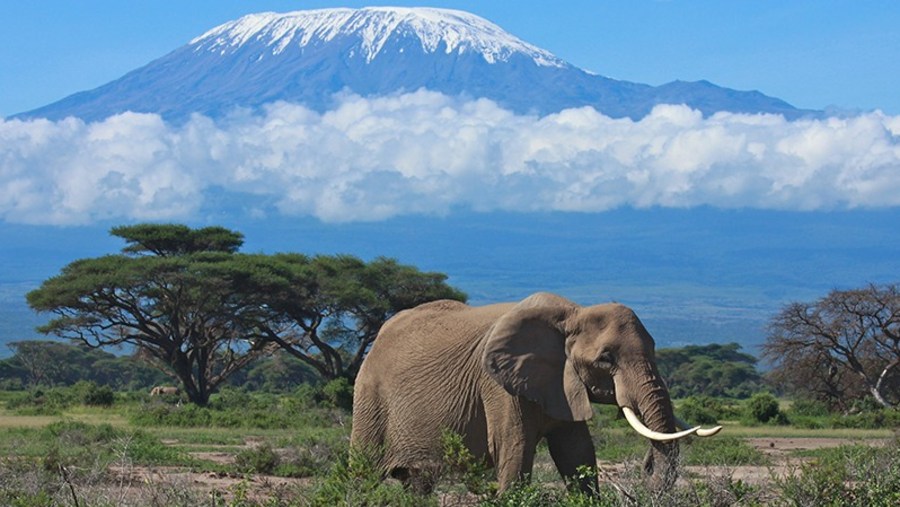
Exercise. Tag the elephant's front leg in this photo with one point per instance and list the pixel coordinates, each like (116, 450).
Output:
(513, 435)
(514, 460)
(572, 449)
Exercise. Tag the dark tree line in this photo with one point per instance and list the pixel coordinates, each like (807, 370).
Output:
(200, 311)
(718, 370)
(45, 363)
(41, 363)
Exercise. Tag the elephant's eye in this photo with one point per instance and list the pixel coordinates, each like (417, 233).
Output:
(605, 360)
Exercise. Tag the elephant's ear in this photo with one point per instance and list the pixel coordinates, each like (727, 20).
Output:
(525, 353)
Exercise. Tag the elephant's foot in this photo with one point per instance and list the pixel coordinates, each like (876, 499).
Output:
(420, 481)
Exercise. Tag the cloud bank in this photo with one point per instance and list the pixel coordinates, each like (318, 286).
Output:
(423, 152)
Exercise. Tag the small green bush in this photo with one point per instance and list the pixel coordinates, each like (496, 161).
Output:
(461, 465)
(99, 396)
(261, 459)
(338, 393)
(355, 479)
(542, 495)
(699, 410)
(810, 408)
(764, 408)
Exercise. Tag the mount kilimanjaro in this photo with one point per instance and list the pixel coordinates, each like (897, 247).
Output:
(310, 56)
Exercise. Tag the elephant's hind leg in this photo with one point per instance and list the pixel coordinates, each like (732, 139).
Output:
(367, 436)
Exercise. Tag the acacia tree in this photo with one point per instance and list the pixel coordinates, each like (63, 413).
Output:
(201, 311)
(327, 310)
(847, 338)
(167, 296)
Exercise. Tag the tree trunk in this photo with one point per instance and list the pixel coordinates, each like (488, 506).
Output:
(876, 389)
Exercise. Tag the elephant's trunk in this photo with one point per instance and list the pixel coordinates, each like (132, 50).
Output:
(654, 407)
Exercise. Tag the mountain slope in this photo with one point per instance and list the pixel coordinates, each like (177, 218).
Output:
(309, 56)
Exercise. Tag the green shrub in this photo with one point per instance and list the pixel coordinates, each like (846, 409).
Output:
(234, 408)
(764, 408)
(699, 410)
(873, 419)
(462, 466)
(74, 433)
(261, 459)
(338, 393)
(72, 443)
(542, 495)
(847, 476)
(811, 408)
(102, 396)
(304, 396)
(50, 401)
(355, 479)
(810, 422)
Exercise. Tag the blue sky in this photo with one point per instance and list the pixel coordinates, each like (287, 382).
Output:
(814, 54)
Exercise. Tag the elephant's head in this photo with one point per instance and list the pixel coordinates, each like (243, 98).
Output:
(564, 356)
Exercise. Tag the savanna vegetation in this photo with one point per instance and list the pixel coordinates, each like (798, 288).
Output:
(189, 304)
(265, 349)
(290, 448)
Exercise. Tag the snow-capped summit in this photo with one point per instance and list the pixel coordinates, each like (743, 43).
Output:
(309, 56)
(450, 31)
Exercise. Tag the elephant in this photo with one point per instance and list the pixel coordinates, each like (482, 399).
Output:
(164, 391)
(503, 377)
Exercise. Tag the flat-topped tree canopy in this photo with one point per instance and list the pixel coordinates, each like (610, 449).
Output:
(177, 239)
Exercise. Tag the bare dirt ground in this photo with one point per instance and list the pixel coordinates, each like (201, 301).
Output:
(783, 454)
(780, 450)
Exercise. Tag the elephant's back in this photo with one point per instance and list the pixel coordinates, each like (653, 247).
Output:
(431, 352)
(438, 327)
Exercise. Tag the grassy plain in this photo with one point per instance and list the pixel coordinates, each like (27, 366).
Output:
(277, 450)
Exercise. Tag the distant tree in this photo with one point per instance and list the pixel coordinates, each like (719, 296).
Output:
(128, 372)
(709, 370)
(168, 294)
(280, 372)
(327, 310)
(189, 303)
(51, 363)
(842, 346)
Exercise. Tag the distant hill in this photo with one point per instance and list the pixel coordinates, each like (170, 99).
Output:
(309, 56)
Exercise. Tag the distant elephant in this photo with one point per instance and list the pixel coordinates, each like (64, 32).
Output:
(504, 376)
(164, 391)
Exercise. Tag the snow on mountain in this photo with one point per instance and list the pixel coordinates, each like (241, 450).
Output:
(309, 56)
(437, 29)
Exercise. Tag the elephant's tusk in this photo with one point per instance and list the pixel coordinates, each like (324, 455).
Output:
(653, 435)
(708, 432)
(700, 431)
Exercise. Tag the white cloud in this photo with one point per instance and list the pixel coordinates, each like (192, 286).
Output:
(424, 152)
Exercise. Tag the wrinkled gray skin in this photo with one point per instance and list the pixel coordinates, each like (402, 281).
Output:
(505, 376)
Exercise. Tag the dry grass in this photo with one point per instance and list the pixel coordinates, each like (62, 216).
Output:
(39, 421)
